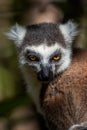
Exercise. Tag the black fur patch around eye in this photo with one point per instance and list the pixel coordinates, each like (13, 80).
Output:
(38, 33)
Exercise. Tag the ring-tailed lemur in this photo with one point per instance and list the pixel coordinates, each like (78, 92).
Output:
(44, 51)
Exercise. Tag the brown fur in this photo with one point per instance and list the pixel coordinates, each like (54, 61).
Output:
(65, 100)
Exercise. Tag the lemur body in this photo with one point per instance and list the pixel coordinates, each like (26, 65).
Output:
(45, 51)
(64, 101)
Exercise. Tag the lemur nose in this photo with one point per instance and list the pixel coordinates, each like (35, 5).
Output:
(45, 74)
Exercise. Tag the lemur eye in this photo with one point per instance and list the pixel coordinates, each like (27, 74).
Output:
(33, 58)
(56, 58)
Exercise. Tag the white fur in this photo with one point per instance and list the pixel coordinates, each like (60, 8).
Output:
(45, 51)
(17, 34)
(69, 31)
(74, 126)
(77, 125)
(33, 85)
(66, 60)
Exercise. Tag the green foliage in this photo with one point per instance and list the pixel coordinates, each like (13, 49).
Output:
(7, 85)
(8, 105)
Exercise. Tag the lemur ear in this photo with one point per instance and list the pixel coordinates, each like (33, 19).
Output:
(69, 31)
(17, 34)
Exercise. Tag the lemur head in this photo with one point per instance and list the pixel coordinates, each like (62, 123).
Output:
(45, 47)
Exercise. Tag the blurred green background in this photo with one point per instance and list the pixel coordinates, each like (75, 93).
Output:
(12, 85)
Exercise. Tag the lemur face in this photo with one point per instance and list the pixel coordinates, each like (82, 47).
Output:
(47, 61)
(44, 47)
